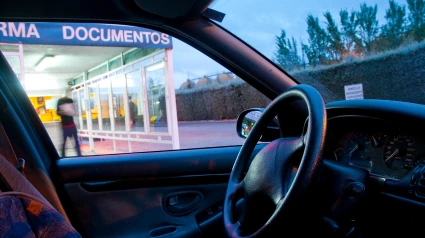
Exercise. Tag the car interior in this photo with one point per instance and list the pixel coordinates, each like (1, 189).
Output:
(294, 184)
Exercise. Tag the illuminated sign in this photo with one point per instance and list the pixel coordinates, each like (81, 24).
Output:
(85, 34)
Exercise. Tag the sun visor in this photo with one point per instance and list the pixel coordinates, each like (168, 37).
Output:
(185, 9)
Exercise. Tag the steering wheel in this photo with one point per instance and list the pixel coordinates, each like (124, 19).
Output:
(277, 179)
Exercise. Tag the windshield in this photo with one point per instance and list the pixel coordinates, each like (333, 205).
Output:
(346, 49)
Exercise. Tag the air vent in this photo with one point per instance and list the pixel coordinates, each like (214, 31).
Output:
(419, 176)
(416, 172)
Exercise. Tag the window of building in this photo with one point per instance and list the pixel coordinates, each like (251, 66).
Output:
(142, 96)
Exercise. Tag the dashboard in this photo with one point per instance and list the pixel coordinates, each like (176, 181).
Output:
(386, 138)
(386, 149)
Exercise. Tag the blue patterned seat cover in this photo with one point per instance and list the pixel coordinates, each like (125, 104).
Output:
(27, 216)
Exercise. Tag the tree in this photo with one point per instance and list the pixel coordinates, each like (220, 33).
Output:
(286, 54)
(358, 34)
(303, 61)
(394, 28)
(416, 18)
(310, 54)
(293, 53)
(349, 32)
(317, 40)
(335, 48)
(368, 25)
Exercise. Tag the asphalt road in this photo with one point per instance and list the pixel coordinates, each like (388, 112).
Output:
(191, 134)
(208, 134)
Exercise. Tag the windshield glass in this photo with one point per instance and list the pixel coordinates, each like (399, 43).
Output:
(346, 49)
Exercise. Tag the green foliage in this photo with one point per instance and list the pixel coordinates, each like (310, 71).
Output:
(357, 35)
(335, 48)
(349, 31)
(368, 26)
(416, 19)
(317, 39)
(393, 31)
(286, 54)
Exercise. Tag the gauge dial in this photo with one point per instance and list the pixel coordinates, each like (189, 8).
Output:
(339, 153)
(358, 149)
(399, 152)
(378, 139)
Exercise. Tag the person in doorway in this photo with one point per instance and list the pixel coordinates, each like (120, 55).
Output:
(133, 112)
(66, 110)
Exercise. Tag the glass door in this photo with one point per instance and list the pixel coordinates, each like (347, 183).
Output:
(104, 105)
(94, 105)
(155, 85)
(119, 101)
(82, 108)
(135, 101)
(76, 100)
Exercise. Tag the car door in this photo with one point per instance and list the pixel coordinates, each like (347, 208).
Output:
(163, 193)
(167, 194)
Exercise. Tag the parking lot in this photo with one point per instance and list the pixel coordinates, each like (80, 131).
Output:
(191, 134)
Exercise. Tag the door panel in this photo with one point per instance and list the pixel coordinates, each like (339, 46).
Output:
(130, 195)
(136, 212)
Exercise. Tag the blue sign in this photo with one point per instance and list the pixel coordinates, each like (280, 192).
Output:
(85, 34)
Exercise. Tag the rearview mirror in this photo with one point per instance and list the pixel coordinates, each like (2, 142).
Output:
(247, 120)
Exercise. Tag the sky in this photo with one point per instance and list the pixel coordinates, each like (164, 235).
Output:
(258, 23)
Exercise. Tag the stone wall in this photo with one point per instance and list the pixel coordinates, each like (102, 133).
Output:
(396, 75)
(218, 103)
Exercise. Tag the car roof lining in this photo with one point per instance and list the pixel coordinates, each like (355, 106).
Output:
(174, 8)
(147, 11)
(186, 9)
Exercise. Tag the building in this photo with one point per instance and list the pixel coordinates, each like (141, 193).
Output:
(121, 78)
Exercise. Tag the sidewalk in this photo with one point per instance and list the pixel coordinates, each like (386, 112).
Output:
(197, 134)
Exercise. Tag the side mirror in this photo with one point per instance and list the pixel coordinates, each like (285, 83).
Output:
(247, 120)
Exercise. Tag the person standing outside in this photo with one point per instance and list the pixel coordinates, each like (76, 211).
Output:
(66, 110)
(133, 112)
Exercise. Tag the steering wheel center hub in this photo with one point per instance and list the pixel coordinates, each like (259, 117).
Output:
(271, 171)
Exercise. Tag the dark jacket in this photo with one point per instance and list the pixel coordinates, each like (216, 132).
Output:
(66, 120)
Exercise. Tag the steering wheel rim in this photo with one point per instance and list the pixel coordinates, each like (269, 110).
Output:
(263, 174)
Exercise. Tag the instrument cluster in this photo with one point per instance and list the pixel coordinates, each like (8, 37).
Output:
(382, 148)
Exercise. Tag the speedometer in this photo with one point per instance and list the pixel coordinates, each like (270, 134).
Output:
(359, 146)
(358, 149)
(400, 151)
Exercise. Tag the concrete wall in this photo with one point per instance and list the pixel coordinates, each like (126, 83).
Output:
(398, 75)
(394, 76)
(218, 103)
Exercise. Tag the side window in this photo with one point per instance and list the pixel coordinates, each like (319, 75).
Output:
(108, 89)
